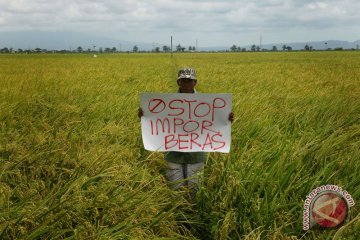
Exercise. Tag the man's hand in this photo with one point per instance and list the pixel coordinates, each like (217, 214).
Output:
(231, 117)
(140, 112)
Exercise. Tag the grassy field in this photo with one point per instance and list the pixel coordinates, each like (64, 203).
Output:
(72, 164)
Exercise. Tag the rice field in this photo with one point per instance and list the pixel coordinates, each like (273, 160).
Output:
(72, 163)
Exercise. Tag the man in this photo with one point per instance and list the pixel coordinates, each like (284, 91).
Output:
(182, 167)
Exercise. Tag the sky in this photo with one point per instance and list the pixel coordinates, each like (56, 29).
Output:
(201, 23)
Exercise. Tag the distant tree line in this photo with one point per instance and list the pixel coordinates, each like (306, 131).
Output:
(257, 48)
(94, 49)
(235, 48)
(164, 48)
(42, 50)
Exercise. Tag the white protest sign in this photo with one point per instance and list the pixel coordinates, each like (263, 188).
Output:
(186, 122)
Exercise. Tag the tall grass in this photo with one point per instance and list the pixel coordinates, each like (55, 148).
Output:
(72, 165)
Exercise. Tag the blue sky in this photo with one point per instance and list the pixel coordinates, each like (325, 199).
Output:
(208, 23)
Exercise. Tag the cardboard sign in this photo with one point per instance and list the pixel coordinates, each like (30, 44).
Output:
(186, 122)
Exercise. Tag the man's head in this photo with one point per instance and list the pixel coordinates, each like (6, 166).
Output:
(186, 80)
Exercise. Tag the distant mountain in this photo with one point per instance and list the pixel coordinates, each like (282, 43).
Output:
(65, 40)
(71, 41)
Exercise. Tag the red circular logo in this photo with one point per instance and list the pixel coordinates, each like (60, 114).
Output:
(329, 210)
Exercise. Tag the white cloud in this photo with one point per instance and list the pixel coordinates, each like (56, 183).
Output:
(317, 5)
(212, 20)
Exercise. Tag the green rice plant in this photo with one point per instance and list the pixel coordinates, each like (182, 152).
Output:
(72, 164)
